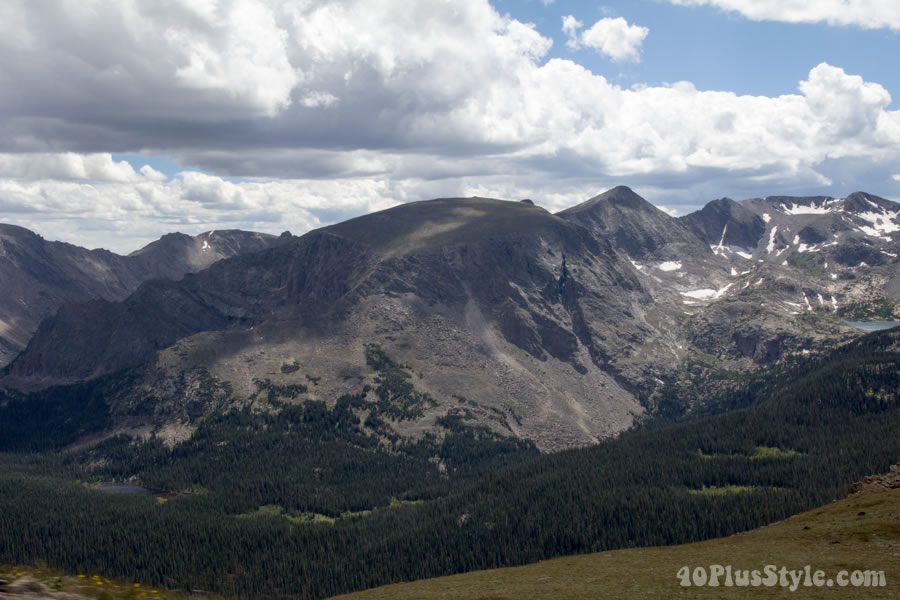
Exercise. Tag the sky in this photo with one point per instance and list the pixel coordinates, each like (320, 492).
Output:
(122, 120)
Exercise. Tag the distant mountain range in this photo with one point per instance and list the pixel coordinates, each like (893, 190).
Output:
(40, 276)
(562, 329)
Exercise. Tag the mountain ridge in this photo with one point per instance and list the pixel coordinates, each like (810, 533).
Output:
(635, 225)
(558, 330)
(40, 276)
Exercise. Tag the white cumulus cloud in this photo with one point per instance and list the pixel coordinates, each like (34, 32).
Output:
(124, 216)
(72, 166)
(322, 109)
(870, 14)
(611, 36)
(570, 26)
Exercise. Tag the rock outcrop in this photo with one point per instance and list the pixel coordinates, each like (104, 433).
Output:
(873, 483)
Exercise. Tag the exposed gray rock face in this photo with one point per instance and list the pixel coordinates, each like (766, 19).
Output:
(636, 227)
(797, 266)
(123, 334)
(530, 304)
(547, 327)
(725, 222)
(851, 229)
(40, 276)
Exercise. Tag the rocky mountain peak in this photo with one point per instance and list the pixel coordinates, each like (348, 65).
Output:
(726, 224)
(861, 202)
(619, 196)
(636, 227)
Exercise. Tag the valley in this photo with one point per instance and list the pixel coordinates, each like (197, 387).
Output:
(470, 299)
(457, 385)
(856, 534)
(301, 502)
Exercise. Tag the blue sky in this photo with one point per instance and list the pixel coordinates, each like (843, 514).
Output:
(719, 50)
(124, 122)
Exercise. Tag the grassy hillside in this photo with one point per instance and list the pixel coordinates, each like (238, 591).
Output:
(861, 532)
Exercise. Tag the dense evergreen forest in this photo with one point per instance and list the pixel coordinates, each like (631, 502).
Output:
(300, 503)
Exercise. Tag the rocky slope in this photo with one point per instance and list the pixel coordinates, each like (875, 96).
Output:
(635, 226)
(28, 588)
(797, 266)
(500, 308)
(40, 276)
(556, 328)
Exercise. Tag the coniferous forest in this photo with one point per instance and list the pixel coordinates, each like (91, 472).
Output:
(300, 503)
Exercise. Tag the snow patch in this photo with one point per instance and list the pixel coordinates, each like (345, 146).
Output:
(830, 205)
(834, 304)
(637, 266)
(834, 276)
(744, 255)
(669, 265)
(706, 293)
(734, 272)
(770, 247)
(205, 245)
(821, 300)
(808, 305)
(766, 217)
(882, 222)
(722, 240)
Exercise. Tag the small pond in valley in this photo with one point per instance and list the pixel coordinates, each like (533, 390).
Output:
(872, 325)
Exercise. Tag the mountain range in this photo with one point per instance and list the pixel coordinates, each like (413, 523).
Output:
(40, 276)
(562, 329)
